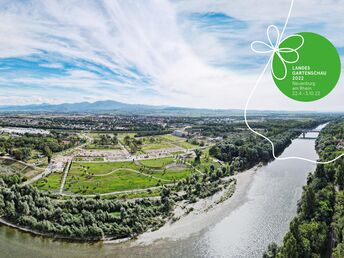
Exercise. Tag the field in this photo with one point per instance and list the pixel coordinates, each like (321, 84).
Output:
(167, 141)
(104, 177)
(156, 146)
(51, 182)
(156, 163)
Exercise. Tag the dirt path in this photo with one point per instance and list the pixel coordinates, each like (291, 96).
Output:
(65, 174)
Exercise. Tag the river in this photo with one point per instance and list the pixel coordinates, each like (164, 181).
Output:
(263, 217)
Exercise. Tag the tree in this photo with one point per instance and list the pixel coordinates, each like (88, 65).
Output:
(21, 153)
(47, 152)
(212, 168)
(308, 202)
(340, 177)
(289, 249)
(115, 140)
(198, 154)
(272, 251)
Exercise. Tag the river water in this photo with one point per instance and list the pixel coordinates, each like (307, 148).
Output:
(263, 217)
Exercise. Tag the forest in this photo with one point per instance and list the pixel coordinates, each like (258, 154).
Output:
(90, 218)
(21, 147)
(246, 150)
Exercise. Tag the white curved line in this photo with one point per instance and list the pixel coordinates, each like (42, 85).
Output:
(270, 49)
(268, 35)
(253, 90)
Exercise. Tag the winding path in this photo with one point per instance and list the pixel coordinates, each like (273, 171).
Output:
(132, 170)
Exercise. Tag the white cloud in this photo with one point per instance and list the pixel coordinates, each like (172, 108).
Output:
(149, 52)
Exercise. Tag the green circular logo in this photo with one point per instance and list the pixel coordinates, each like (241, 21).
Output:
(306, 66)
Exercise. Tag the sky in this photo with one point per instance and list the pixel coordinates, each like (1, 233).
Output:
(181, 53)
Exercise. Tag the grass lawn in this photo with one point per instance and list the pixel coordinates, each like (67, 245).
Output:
(104, 177)
(172, 138)
(102, 147)
(51, 182)
(119, 180)
(156, 163)
(186, 145)
(173, 174)
(98, 168)
(156, 146)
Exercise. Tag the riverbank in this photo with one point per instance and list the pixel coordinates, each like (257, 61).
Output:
(241, 230)
(203, 213)
(188, 219)
(199, 215)
(35, 232)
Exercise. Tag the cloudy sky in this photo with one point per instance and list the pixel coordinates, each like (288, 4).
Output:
(182, 53)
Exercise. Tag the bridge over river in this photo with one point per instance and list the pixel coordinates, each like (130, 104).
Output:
(304, 132)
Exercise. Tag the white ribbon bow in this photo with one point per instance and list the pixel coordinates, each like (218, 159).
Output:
(275, 49)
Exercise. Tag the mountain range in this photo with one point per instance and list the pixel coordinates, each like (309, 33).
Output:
(110, 106)
(120, 108)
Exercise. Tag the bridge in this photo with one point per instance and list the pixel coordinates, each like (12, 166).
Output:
(303, 133)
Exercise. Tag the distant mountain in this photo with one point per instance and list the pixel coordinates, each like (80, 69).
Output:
(109, 106)
(115, 107)
(105, 105)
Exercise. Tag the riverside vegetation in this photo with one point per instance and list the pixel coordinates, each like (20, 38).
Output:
(245, 152)
(97, 218)
(318, 228)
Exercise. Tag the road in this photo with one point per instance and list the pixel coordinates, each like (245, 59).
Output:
(65, 174)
